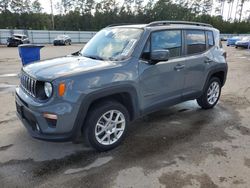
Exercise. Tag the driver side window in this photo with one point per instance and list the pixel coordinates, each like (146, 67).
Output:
(164, 40)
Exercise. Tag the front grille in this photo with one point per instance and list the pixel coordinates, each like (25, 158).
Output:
(28, 84)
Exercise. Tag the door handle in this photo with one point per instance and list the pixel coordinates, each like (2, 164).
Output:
(179, 67)
(208, 61)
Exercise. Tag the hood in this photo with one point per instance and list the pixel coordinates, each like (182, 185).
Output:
(63, 66)
(234, 38)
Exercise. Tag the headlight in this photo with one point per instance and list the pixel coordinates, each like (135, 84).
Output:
(48, 89)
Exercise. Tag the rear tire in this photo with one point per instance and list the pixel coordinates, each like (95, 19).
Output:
(211, 94)
(106, 125)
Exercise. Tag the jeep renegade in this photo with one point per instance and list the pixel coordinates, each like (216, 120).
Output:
(124, 72)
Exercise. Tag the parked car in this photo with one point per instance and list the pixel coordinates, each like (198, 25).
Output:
(17, 39)
(223, 38)
(232, 41)
(62, 40)
(124, 72)
(244, 43)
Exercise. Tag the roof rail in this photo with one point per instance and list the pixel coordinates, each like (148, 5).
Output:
(120, 24)
(158, 23)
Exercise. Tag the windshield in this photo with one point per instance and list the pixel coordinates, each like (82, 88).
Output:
(112, 44)
(61, 36)
(246, 39)
(17, 36)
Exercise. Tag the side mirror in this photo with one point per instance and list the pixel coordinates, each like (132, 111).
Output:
(159, 55)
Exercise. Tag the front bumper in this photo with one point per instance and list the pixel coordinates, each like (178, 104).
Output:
(59, 42)
(38, 126)
(231, 43)
(13, 43)
(243, 45)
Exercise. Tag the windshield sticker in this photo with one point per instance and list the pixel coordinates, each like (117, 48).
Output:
(129, 47)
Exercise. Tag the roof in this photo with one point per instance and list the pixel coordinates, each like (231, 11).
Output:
(166, 24)
(128, 25)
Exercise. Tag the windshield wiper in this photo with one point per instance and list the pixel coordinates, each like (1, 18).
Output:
(93, 57)
(76, 53)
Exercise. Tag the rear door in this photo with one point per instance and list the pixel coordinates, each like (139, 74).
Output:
(198, 61)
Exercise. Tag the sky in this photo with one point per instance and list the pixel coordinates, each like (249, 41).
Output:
(46, 4)
(46, 8)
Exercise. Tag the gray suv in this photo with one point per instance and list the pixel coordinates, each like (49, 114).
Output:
(124, 72)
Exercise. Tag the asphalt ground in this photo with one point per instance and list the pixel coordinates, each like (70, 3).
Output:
(180, 146)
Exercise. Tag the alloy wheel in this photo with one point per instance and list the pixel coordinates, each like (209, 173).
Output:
(110, 127)
(213, 93)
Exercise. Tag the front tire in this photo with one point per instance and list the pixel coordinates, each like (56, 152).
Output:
(106, 125)
(211, 94)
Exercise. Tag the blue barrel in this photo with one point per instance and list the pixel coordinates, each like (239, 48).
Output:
(29, 53)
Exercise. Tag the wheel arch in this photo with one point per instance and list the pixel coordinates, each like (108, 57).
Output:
(220, 73)
(126, 95)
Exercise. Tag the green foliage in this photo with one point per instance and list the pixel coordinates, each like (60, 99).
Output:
(36, 7)
(17, 6)
(4, 4)
(93, 15)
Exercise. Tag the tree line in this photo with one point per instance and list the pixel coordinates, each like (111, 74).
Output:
(93, 15)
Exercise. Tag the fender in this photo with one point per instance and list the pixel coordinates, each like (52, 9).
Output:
(105, 92)
(219, 68)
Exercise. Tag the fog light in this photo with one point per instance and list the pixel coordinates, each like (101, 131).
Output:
(50, 116)
(51, 119)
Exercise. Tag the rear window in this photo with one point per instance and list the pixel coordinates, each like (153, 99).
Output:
(196, 41)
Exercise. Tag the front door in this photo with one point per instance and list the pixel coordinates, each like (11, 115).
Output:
(162, 83)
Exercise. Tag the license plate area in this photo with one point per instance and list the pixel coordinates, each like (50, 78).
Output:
(26, 115)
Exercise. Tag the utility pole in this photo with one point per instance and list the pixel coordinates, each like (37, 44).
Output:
(52, 15)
